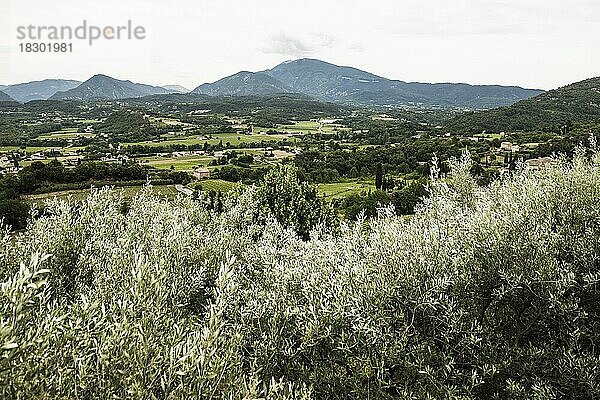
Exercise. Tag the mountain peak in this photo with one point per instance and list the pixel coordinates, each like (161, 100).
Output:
(103, 77)
(104, 87)
(307, 60)
(244, 83)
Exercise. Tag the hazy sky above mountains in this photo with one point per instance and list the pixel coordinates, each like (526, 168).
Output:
(531, 43)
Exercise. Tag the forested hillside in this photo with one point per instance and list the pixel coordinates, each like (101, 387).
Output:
(554, 111)
(486, 292)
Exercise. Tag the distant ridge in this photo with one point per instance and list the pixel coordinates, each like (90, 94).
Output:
(102, 87)
(577, 102)
(331, 82)
(39, 90)
(176, 89)
(244, 83)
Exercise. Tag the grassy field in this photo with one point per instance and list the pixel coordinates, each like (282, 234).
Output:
(168, 191)
(188, 163)
(36, 149)
(301, 126)
(179, 163)
(217, 185)
(311, 127)
(67, 133)
(26, 163)
(342, 189)
(233, 138)
(59, 135)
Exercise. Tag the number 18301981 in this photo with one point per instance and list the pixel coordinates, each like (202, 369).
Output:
(46, 47)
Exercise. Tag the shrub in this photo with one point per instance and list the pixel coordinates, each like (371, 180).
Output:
(483, 293)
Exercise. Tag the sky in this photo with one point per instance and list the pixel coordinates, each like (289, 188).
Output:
(531, 43)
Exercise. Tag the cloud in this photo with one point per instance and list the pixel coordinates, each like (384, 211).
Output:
(323, 39)
(296, 46)
(356, 47)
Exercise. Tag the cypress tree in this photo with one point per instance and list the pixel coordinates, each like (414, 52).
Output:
(379, 177)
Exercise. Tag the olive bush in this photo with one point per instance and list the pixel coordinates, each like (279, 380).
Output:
(484, 293)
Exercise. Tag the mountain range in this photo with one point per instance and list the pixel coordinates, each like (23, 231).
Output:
(38, 90)
(330, 82)
(313, 78)
(102, 87)
(550, 111)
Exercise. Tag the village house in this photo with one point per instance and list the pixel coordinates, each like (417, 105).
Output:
(507, 146)
(201, 172)
(37, 157)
